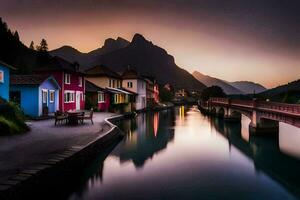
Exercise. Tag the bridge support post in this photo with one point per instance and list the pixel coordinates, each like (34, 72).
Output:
(231, 116)
(260, 126)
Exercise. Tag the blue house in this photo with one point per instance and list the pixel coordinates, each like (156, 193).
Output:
(37, 95)
(4, 80)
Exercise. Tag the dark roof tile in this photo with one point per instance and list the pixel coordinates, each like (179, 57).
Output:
(91, 87)
(27, 79)
(101, 70)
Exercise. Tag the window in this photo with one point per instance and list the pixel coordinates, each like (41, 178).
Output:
(80, 81)
(67, 79)
(44, 95)
(1, 76)
(114, 82)
(129, 84)
(52, 96)
(116, 98)
(101, 97)
(109, 82)
(69, 96)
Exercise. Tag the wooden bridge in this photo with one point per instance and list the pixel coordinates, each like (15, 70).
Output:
(264, 115)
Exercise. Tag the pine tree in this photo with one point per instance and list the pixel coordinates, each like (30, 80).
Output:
(43, 47)
(16, 35)
(31, 45)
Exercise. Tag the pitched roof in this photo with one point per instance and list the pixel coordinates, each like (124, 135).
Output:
(7, 65)
(119, 91)
(131, 74)
(30, 79)
(91, 87)
(56, 63)
(101, 70)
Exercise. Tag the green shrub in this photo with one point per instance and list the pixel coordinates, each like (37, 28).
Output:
(8, 127)
(12, 119)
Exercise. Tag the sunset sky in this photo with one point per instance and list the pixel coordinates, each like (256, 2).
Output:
(255, 40)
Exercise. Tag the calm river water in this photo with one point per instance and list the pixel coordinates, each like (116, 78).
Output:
(182, 154)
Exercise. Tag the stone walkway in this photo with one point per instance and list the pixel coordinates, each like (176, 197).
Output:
(44, 141)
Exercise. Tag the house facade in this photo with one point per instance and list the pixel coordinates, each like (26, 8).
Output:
(96, 97)
(121, 100)
(71, 82)
(37, 95)
(136, 84)
(4, 80)
(152, 91)
(156, 93)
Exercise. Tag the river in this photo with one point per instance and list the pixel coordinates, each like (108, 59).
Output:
(183, 154)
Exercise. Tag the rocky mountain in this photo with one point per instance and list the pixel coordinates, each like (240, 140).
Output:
(150, 60)
(86, 59)
(248, 87)
(210, 81)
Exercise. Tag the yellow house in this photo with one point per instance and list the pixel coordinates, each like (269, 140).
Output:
(103, 77)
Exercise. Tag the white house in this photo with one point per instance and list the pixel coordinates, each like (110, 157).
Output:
(134, 83)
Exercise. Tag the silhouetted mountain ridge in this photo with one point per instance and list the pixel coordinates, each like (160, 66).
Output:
(15, 53)
(288, 93)
(248, 87)
(87, 59)
(150, 60)
(210, 81)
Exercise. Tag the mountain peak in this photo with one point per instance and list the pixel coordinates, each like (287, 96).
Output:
(138, 38)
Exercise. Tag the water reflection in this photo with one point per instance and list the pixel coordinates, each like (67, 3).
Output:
(289, 139)
(182, 154)
(266, 152)
(150, 137)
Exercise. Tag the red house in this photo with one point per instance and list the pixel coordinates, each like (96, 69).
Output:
(70, 80)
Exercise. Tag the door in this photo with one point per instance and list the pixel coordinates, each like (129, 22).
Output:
(44, 101)
(78, 100)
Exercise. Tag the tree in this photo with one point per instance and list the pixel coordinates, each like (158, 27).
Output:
(16, 35)
(165, 95)
(43, 47)
(213, 91)
(31, 45)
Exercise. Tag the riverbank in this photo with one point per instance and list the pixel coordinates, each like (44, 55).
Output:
(51, 152)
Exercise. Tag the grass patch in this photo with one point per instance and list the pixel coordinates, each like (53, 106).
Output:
(12, 119)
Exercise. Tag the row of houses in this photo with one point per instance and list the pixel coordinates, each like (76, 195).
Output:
(60, 85)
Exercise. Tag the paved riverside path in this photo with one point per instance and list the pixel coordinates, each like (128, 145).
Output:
(43, 141)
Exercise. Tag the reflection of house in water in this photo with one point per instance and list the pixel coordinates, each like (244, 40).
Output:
(149, 137)
(265, 153)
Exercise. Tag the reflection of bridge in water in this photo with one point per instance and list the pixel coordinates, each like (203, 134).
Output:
(264, 116)
(265, 153)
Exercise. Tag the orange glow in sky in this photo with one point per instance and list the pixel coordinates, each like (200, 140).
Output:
(212, 46)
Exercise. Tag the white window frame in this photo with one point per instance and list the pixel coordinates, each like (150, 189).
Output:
(129, 84)
(44, 100)
(51, 92)
(101, 97)
(80, 81)
(2, 80)
(68, 79)
(71, 98)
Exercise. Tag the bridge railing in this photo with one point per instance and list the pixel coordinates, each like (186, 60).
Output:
(281, 107)
(272, 106)
(219, 100)
(238, 102)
